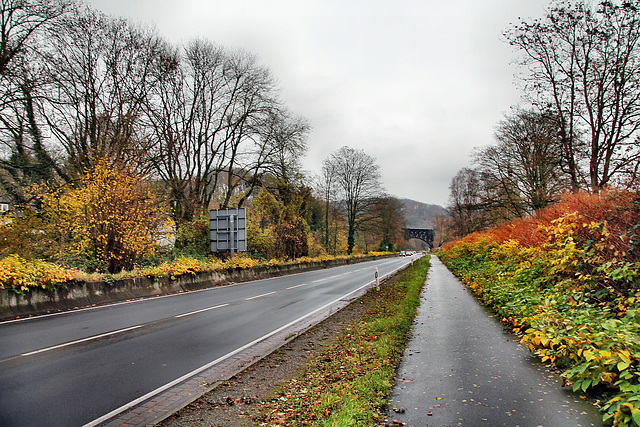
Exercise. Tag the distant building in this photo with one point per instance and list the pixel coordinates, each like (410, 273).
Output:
(220, 191)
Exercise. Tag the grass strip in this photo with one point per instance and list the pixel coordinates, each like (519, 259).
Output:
(349, 382)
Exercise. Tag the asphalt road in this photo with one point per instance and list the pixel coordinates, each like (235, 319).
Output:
(72, 368)
(461, 369)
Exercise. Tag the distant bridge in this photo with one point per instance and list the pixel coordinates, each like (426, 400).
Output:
(427, 235)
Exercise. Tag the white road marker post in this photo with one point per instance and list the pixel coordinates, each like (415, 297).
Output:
(377, 280)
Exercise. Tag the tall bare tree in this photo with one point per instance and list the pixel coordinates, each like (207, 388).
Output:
(207, 117)
(101, 71)
(523, 168)
(326, 187)
(24, 157)
(357, 175)
(583, 62)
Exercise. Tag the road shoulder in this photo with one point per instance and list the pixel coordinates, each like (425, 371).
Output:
(231, 403)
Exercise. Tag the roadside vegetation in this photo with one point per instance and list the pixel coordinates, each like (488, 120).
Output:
(110, 225)
(111, 162)
(567, 280)
(349, 381)
(548, 215)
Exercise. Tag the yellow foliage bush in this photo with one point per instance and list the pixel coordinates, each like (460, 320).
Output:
(20, 274)
(242, 261)
(112, 217)
(377, 253)
(175, 268)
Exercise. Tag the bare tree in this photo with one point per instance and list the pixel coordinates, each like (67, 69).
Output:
(274, 157)
(101, 71)
(358, 177)
(207, 119)
(467, 202)
(326, 187)
(202, 118)
(582, 62)
(25, 158)
(20, 22)
(523, 168)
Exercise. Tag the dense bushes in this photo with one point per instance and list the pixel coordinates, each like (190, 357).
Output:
(568, 281)
(19, 274)
(107, 221)
(110, 224)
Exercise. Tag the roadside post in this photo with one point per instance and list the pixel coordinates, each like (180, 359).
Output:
(377, 280)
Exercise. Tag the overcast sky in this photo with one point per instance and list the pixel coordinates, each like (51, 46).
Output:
(417, 84)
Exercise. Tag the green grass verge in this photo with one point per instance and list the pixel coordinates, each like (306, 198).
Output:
(349, 381)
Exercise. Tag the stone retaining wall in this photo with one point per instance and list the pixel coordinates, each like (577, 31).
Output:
(85, 294)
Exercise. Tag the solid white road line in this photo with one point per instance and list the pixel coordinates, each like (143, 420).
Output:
(82, 340)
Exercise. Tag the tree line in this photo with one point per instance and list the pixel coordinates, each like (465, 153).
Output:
(81, 86)
(89, 101)
(577, 126)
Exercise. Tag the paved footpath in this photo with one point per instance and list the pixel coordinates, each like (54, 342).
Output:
(461, 369)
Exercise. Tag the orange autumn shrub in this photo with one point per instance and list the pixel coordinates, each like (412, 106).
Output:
(568, 280)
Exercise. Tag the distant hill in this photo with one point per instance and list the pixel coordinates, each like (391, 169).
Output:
(421, 215)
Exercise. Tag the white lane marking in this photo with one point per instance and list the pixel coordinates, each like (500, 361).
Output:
(297, 286)
(167, 386)
(259, 296)
(200, 311)
(82, 340)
